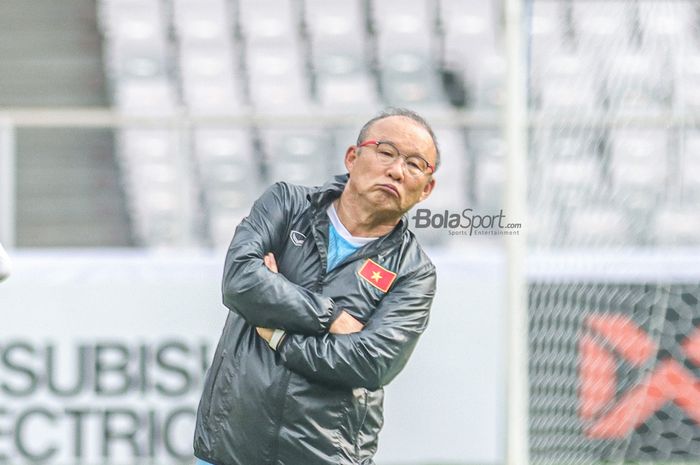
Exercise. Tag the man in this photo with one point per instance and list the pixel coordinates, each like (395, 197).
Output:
(5, 264)
(329, 292)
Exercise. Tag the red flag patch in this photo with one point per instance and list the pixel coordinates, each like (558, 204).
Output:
(377, 275)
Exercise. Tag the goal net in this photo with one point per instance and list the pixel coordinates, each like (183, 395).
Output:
(614, 230)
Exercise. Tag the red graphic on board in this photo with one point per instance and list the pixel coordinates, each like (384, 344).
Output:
(608, 417)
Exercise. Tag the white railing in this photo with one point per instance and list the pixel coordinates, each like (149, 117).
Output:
(106, 117)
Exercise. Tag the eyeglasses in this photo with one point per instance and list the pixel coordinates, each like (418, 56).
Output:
(387, 153)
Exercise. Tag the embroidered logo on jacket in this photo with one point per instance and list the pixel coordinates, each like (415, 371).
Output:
(297, 238)
(377, 275)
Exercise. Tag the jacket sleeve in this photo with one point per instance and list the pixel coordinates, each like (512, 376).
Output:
(372, 357)
(261, 297)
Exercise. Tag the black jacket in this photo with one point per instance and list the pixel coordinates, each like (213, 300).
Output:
(317, 400)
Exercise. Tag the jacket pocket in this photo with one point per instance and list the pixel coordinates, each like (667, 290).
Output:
(367, 441)
(360, 404)
(211, 381)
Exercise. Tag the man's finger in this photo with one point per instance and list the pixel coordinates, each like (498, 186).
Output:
(346, 324)
(265, 333)
(270, 262)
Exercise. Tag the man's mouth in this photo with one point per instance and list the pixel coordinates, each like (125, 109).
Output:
(391, 188)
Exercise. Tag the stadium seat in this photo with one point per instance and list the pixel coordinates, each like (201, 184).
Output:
(594, 225)
(204, 21)
(637, 82)
(548, 27)
(639, 165)
(689, 166)
(225, 158)
(161, 191)
(135, 20)
(277, 77)
(671, 24)
(405, 41)
(146, 96)
(469, 29)
(601, 25)
(297, 155)
(580, 175)
(554, 76)
(338, 44)
(676, 225)
(137, 59)
(211, 81)
(558, 152)
(268, 23)
(687, 80)
(489, 168)
(229, 176)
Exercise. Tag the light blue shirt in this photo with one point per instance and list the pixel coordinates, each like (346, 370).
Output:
(338, 248)
(341, 244)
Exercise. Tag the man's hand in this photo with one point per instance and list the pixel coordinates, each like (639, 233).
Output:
(345, 324)
(265, 333)
(270, 262)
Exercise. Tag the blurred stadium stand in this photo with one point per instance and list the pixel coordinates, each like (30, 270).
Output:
(49, 54)
(67, 188)
(188, 184)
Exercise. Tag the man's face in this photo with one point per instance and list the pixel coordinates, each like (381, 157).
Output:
(391, 188)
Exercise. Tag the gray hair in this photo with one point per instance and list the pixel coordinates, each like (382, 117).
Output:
(407, 114)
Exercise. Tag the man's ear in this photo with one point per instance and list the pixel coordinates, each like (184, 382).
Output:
(350, 157)
(427, 189)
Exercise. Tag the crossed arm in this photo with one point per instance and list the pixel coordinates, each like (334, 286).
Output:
(343, 324)
(262, 297)
(351, 355)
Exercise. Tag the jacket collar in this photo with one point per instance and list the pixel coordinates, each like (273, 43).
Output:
(331, 190)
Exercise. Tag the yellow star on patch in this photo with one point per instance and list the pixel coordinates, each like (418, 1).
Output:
(376, 276)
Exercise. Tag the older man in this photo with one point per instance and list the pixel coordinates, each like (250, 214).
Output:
(328, 293)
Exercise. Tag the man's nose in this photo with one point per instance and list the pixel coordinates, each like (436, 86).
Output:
(397, 168)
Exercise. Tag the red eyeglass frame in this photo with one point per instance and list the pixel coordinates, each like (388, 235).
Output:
(377, 142)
